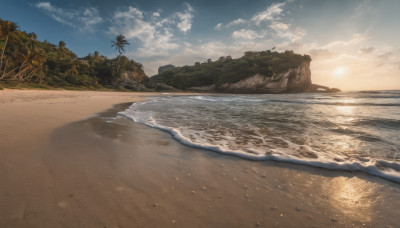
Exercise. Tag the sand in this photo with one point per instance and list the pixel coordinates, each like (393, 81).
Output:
(64, 162)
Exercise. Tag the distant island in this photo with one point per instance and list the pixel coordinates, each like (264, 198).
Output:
(28, 62)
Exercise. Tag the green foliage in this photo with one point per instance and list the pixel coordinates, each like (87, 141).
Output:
(228, 70)
(29, 61)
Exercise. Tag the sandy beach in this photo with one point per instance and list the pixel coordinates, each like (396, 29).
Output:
(64, 164)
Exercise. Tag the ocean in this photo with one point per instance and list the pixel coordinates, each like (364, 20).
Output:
(340, 131)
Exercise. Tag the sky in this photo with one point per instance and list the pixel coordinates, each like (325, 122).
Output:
(354, 44)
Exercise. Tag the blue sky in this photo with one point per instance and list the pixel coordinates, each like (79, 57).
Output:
(354, 44)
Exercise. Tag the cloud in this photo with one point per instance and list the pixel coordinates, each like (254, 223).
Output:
(279, 26)
(366, 50)
(84, 19)
(355, 39)
(246, 34)
(185, 23)
(236, 22)
(218, 26)
(155, 33)
(385, 56)
(131, 13)
(272, 18)
(321, 54)
(295, 35)
(271, 13)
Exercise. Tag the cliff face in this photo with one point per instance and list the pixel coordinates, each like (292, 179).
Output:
(294, 80)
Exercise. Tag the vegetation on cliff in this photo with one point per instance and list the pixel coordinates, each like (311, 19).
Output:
(229, 70)
(24, 59)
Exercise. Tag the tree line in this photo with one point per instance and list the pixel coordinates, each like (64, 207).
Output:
(24, 59)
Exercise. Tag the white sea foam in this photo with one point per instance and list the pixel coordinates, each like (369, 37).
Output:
(224, 143)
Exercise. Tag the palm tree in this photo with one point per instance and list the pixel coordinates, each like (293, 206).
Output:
(30, 64)
(120, 43)
(7, 28)
(95, 58)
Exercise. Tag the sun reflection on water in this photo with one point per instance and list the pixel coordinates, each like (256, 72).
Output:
(345, 114)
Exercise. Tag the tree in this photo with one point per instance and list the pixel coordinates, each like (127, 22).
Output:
(60, 52)
(30, 64)
(33, 37)
(120, 43)
(7, 28)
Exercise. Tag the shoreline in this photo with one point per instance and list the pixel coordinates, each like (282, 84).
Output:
(59, 168)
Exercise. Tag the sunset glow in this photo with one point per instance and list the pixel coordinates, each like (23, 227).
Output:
(339, 72)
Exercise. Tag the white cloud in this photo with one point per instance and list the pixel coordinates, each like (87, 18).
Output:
(236, 22)
(154, 32)
(84, 19)
(185, 23)
(218, 26)
(271, 13)
(131, 13)
(356, 39)
(155, 40)
(295, 35)
(279, 26)
(246, 34)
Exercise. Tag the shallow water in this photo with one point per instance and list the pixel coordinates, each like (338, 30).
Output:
(346, 131)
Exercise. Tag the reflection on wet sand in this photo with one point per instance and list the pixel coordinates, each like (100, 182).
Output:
(353, 197)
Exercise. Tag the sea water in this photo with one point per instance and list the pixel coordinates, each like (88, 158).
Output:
(343, 131)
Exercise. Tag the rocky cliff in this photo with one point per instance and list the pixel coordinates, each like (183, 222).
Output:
(294, 80)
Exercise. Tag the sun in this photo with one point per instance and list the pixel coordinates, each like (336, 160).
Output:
(339, 71)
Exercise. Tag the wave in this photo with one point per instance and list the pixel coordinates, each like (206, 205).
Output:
(225, 99)
(335, 103)
(382, 97)
(386, 123)
(386, 169)
(309, 100)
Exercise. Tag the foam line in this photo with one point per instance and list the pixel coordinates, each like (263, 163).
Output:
(382, 168)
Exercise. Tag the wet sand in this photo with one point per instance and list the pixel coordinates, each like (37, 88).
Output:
(62, 166)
